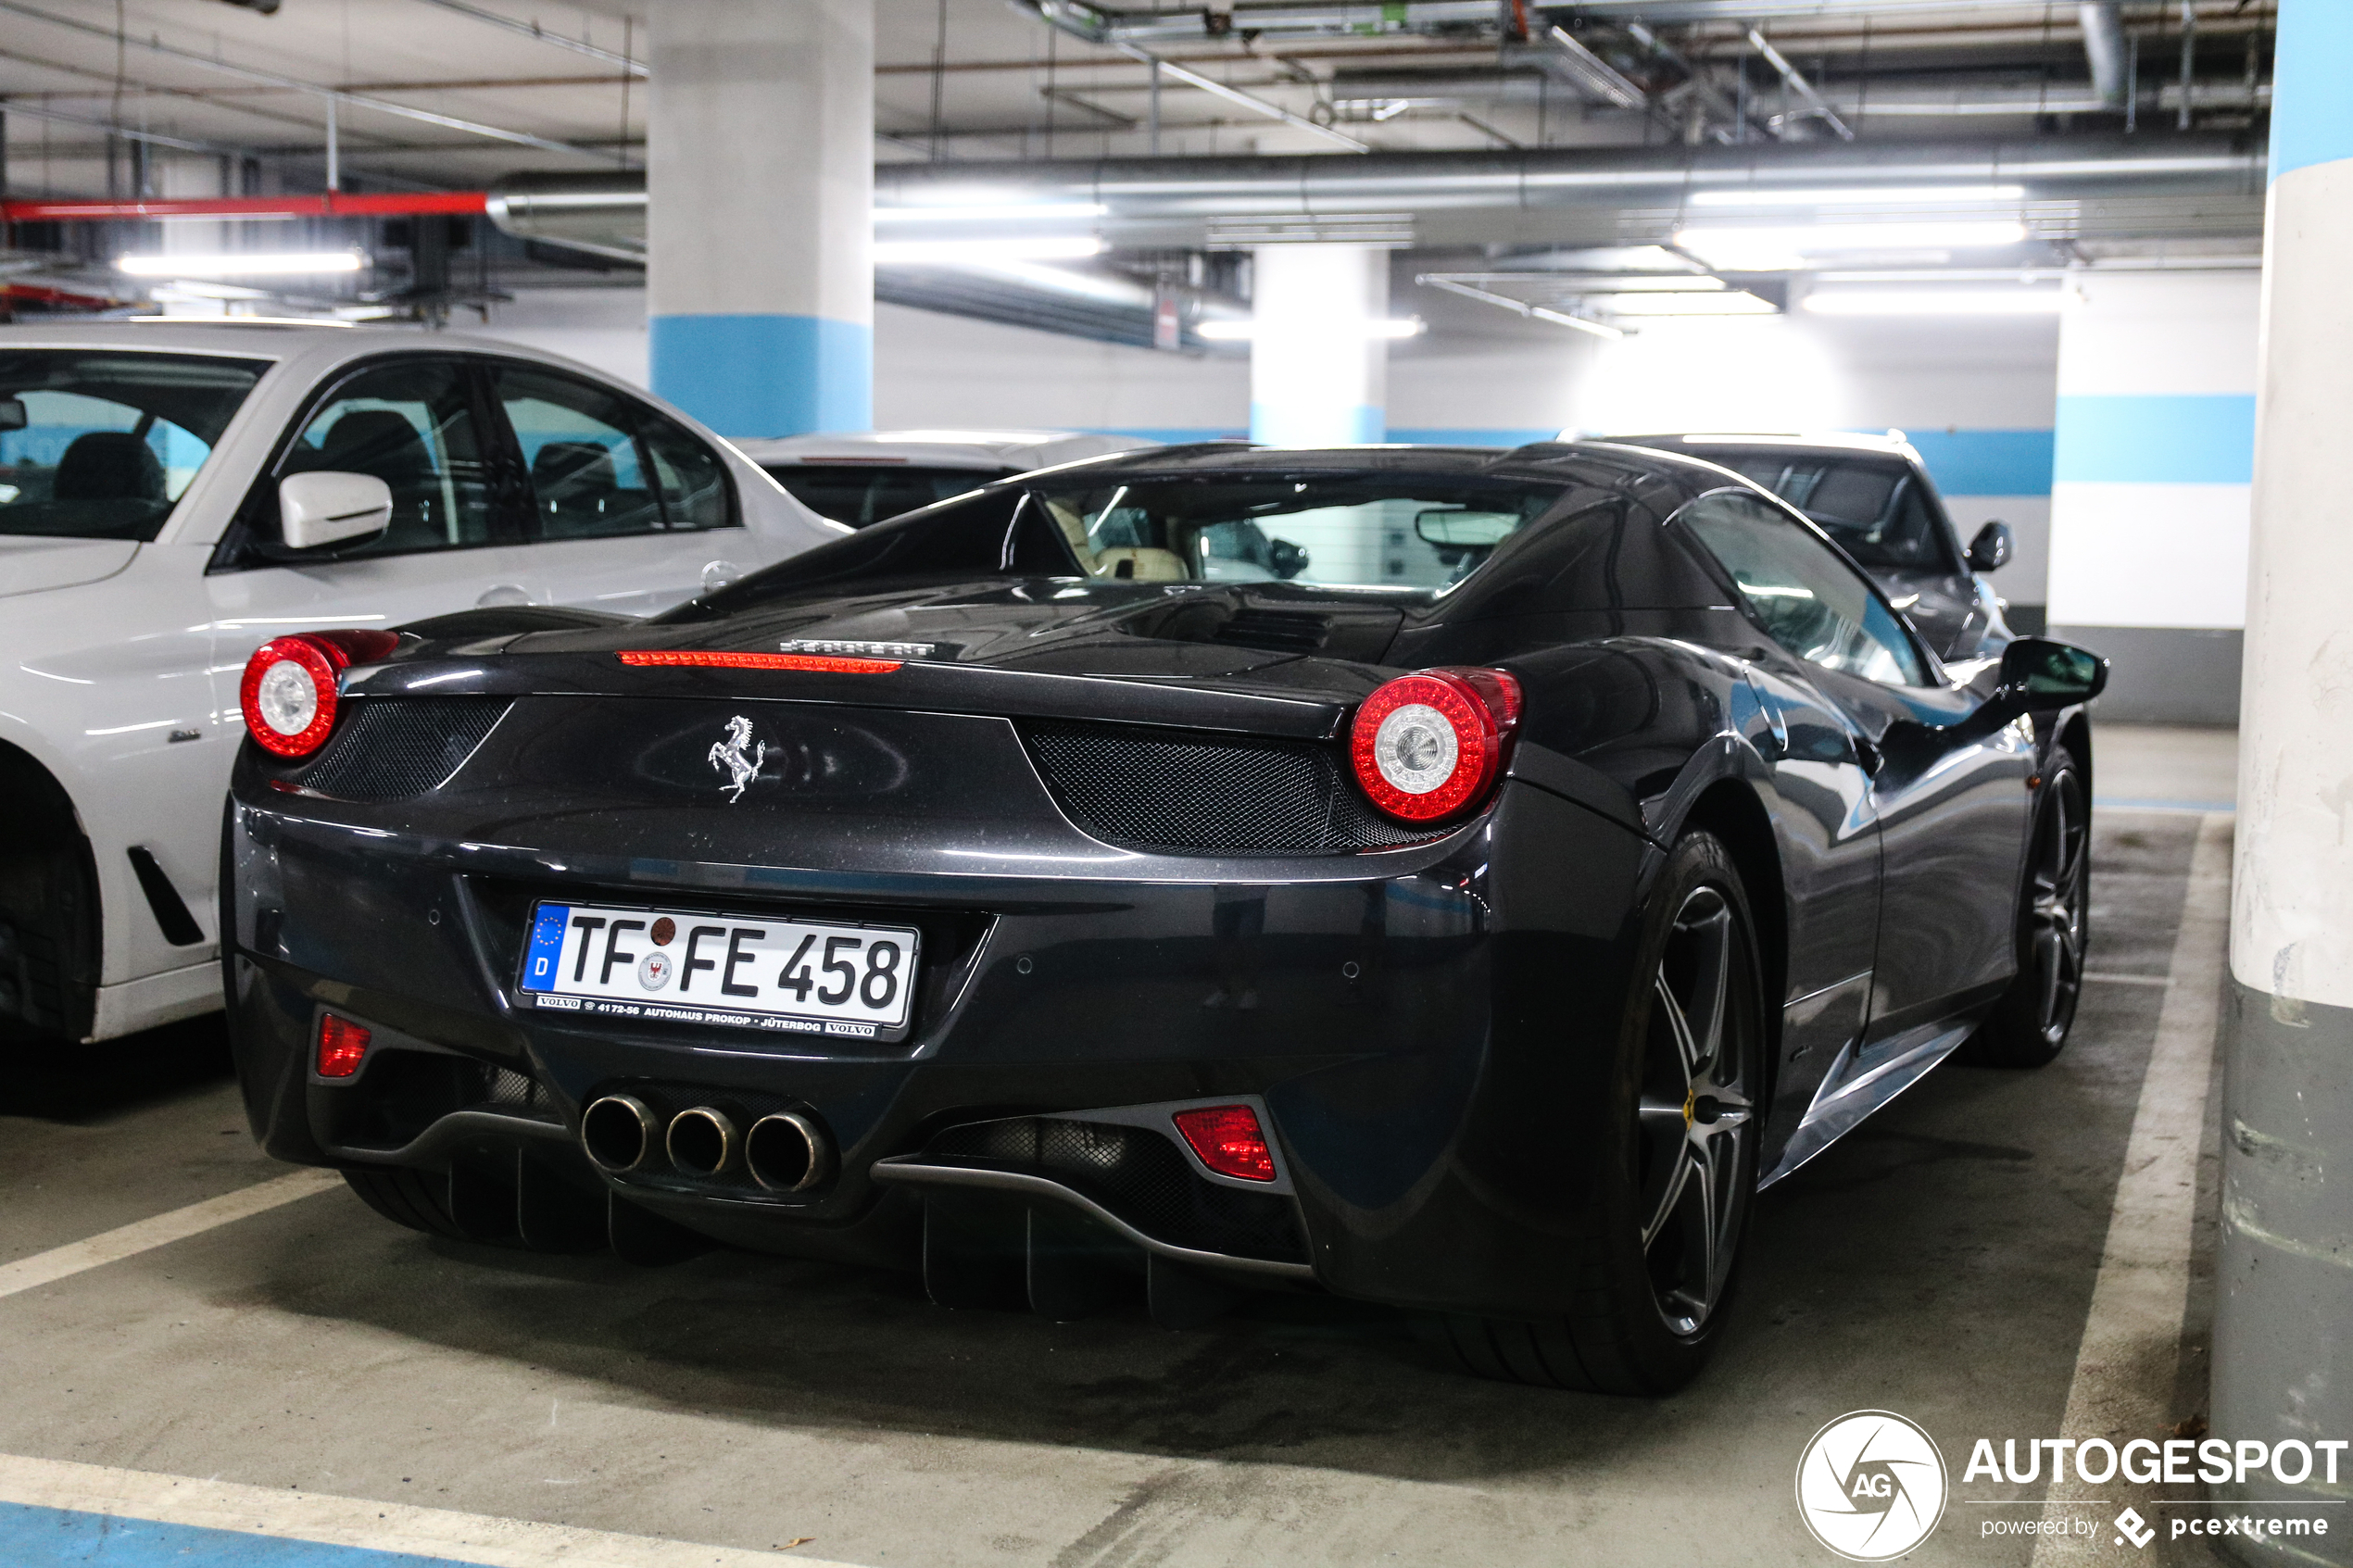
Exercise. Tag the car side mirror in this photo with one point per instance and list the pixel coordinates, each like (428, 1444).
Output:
(327, 508)
(1990, 551)
(14, 414)
(2039, 675)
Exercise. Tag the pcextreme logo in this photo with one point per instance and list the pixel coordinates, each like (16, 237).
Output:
(1871, 1486)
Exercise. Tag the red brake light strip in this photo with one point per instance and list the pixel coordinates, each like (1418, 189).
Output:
(815, 663)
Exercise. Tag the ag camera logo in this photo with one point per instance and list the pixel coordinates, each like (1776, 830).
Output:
(1872, 1486)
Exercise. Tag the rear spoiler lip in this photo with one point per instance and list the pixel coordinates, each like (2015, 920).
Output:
(1172, 701)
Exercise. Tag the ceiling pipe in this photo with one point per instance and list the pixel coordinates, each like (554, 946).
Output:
(2104, 47)
(606, 212)
(333, 204)
(1795, 81)
(272, 78)
(1535, 178)
(633, 64)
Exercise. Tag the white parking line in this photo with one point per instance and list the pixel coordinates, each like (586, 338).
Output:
(124, 1241)
(355, 1522)
(2130, 1356)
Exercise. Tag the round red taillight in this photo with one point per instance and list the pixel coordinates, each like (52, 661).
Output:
(1428, 745)
(288, 694)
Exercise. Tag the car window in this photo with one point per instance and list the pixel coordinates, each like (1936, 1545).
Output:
(688, 475)
(411, 423)
(588, 479)
(601, 465)
(1805, 598)
(1876, 507)
(862, 493)
(103, 445)
(1382, 530)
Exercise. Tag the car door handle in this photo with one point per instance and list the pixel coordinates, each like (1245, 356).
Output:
(499, 593)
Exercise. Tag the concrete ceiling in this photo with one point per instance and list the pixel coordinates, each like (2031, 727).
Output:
(432, 96)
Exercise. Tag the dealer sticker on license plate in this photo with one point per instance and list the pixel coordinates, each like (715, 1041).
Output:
(787, 976)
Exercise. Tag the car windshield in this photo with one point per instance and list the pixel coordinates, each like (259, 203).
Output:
(1357, 531)
(97, 446)
(862, 493)
(1875, 507)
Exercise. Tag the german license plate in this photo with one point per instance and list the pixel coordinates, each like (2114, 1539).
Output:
(785, 976)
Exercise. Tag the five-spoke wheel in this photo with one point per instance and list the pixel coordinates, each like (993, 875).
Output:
(1696, 1113)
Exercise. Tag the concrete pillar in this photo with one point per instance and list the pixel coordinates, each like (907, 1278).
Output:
(759, 173)
(1317, 375)
(2284, 1327)
(2153, 462)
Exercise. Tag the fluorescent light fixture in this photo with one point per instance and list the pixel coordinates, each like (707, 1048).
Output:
(256, 264)
(1015, 212)
(1937, 302)
(1747, 249)
(1739, 303)
(1861, 196)
(1660, 283)
(950, 253)
(1599, 328)
(1243, 332)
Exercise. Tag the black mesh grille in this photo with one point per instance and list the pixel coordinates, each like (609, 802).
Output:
(391, 748)
(1279, 631)
(1137, 1174)
(1184, 790)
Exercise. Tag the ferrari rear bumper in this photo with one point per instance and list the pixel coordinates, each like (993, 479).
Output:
(1419, 1030)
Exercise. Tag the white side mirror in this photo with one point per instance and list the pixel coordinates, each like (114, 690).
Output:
(317, 510)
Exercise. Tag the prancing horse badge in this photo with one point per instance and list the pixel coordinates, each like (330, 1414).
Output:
(728, 756)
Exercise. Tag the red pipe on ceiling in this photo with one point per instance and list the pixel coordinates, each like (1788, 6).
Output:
(333, 204)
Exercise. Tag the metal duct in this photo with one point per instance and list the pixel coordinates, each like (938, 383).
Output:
(2104, 47)
(603, 214)
(606, 213)
(1164, 189)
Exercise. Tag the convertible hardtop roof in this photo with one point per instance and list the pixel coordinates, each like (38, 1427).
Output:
(1566, 462)
(1819, 443)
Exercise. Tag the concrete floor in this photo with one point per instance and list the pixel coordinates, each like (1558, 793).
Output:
(1939, 1262)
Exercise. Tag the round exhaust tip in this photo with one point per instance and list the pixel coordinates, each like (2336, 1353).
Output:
(618, 1132)
(788, 1152)
(702, 1141)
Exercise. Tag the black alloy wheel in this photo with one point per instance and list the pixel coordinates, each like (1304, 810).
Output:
(2029, 1024)
(1696, 1115)
(1658, 1247)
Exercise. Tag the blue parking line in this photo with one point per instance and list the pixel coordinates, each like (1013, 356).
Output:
(54, 1538)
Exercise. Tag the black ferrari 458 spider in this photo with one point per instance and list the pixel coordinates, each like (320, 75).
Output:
(1431, 876)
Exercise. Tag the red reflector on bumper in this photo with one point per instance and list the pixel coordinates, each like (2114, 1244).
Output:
(818, 663)
(1228, 1140)
(342, 1044)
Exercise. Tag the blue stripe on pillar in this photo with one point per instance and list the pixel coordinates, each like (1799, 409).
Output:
(749, 377)
(2311, 113)
(1986, 462)
(1275, 426)
(2123, 439)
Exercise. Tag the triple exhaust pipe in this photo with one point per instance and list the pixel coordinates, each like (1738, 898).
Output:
(784, 1152)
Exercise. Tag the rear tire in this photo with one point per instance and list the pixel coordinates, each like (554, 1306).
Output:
(2029, 1026)
(407, 1197)
(49, 932)
(1656, 1272)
